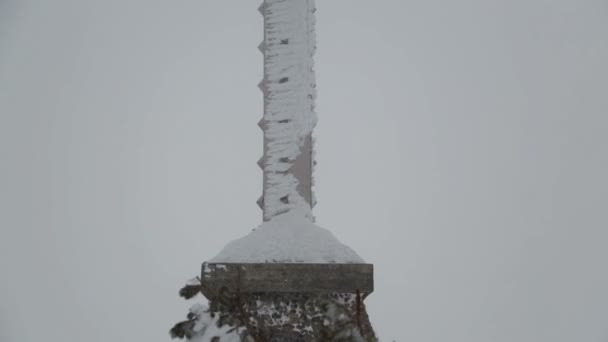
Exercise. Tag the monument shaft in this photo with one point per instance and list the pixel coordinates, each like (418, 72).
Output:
(289, 110)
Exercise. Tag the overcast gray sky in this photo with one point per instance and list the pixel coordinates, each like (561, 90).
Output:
(462, 149)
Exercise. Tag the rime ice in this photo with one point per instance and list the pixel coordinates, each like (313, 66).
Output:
(289, 115)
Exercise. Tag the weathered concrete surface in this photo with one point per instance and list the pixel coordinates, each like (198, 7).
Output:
(289, 278)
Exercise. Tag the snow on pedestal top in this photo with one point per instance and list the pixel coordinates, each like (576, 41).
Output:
(288, 238)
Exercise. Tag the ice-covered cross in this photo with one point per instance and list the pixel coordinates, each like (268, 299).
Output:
(288, 233)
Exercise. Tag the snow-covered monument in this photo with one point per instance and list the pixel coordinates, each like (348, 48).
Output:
(289, 279)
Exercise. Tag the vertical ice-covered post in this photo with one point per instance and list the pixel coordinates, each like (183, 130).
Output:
(289, 111)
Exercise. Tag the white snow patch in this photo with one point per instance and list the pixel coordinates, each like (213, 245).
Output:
(206, 327)
(288, 238)
(193, 282)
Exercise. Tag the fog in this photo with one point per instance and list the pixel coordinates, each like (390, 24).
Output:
(462, 149)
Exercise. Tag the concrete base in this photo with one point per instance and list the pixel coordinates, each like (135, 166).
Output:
(292, 278)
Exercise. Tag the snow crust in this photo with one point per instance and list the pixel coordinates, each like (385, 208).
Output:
(288, 238)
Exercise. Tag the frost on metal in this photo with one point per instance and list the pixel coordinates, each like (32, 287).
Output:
(289, 110)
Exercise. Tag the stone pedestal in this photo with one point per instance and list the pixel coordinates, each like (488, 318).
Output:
(292, 302)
